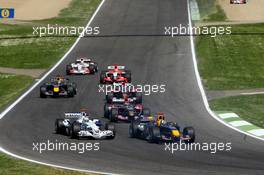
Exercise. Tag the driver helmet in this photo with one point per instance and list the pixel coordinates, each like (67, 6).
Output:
(160, 119)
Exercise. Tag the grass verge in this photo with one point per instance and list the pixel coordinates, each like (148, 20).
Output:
(31, 52)
(10, 87)
(211, 11)
(249, 108)
(232, 61)
(35, 53)
(12, 166)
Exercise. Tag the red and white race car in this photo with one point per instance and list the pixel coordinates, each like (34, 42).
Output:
(82, 66)
(115, 74)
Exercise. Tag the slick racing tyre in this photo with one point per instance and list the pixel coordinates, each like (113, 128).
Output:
(189, 132)
(138, 98)
(154, 134)
(110, 127)
(106, 111)
(109, 97)
(114, 115)
(92, 69)
(133, 130)
(43, 91)
(59, 126)
(76, 128)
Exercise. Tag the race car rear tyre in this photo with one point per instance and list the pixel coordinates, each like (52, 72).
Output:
(154, 134)
(92, 69)
(106, 111)
(133, 130)
(138, 98)
(109, 97)
(59, 126)
(114, 115)
(189, 131)
(146, 112)
(68, 69)
(76, 128)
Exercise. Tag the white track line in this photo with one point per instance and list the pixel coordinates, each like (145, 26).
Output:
(34, 86)
(198, 78)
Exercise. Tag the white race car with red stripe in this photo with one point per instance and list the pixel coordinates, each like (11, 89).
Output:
(82, 66)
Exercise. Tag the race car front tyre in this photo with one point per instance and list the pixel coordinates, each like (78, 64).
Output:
(110, 127)
(43, 90)
(106, 111)
(138, 98)
(59, 126)
(109, 97)
(189, 132)
(114, 115)
(154, 134)
(76, 128)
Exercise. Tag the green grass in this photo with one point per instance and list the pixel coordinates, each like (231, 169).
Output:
(42, 52)
(11, 86)
(10, 166)
(35, 53)
(249, 108)
(210, 10)
(232, 61)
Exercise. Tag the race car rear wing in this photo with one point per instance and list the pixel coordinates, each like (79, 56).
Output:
(118, 67)
(70, 115)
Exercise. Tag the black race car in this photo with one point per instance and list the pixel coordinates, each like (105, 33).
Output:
(155, 131)
(124, 111)
(58, 86)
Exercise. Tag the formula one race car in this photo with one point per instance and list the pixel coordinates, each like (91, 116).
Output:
(82, 66)
(115, 74)
(155, 131)
(238, 1)
(77, 125)
(123, 92)
(124, 111)
(58, 86)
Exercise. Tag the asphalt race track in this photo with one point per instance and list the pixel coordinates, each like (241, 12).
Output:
(134, 29)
